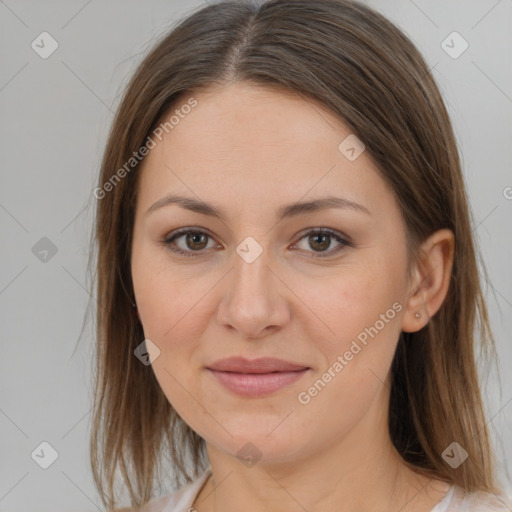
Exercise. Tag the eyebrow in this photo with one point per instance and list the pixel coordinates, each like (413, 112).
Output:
(290, 210)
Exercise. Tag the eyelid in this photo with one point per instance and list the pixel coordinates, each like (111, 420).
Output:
(324, 230)
(340, 237)
(177, 233)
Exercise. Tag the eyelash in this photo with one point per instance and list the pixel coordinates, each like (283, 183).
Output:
(169, 240)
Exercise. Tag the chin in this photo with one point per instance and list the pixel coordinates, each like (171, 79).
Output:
(254, 442)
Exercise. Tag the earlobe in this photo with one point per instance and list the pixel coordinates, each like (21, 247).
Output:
(431, 280)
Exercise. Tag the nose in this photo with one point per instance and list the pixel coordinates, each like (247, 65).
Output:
(254, 299)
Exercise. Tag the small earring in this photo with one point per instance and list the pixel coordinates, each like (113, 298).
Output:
(136, 311)
(418, 315)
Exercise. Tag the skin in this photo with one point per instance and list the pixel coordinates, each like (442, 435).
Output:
(250, 150)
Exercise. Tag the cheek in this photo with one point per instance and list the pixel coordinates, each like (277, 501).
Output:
(362, 308)
(170, 300)
(355, 298)
(364, 312)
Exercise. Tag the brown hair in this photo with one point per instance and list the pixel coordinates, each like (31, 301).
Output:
(364, 69)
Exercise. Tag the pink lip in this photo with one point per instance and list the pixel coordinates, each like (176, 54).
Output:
(256, 377)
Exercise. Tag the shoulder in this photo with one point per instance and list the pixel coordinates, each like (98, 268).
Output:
(155, 505)
(178, 501)
(483, 502)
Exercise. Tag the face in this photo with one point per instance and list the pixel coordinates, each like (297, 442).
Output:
(254, 283)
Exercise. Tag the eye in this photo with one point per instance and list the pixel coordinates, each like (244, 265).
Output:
(321, 239)
(194, 241)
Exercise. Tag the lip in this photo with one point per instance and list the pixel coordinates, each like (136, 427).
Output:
(260, 365)
(256, 377)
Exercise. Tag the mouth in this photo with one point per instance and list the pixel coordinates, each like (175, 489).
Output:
(258, 377)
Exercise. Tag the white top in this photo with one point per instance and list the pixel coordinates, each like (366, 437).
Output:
(455, 500)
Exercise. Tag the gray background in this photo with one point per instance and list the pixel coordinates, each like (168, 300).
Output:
(55, 116)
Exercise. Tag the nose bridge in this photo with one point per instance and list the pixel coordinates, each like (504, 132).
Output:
(251, 266)
(252, 302)
(251, 276)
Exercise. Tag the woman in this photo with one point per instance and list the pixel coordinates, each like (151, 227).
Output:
(287, 280)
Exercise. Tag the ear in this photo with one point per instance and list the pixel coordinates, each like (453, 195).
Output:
(430, 282)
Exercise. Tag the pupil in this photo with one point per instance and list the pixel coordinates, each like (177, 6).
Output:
(325, 244)
(192, 238)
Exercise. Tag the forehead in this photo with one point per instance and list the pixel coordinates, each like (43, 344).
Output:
(257, 144)
(255, 120)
